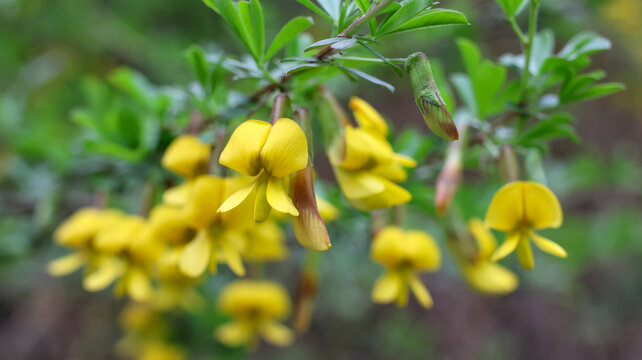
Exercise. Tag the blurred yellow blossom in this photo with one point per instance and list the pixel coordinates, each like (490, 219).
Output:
(365, 165)
(404, 254)
(267, 153)
(186, 156)
(257, 307)
(519, 208)
(265, 242)
(480, 272)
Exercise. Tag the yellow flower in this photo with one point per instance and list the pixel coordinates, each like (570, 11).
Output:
(218, 236)
(128, 250)
(186, 156)
(365, 165)
(327, 211)
(257, 307)
(265, 242)
(77, 233)
(269, 154)
(519, 208)
(175, 288)
(404, 254)
(480, 272)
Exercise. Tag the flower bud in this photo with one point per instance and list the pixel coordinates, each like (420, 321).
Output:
(449, 179)
(508, 165)
(306, 292)
(427, 97)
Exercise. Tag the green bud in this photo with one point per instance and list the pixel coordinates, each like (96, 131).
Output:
(427, 97)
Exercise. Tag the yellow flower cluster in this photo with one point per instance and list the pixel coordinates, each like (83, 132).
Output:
(365, 165)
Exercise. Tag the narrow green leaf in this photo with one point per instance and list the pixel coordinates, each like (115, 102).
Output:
(196, 58)
(512, 8)
(368, 77)
(248, 28)
(287, 34)
(323, 42)
(134, 84)
(407, 11)
(211, 5)
(346, 43)
(332, 8)
(394, 67)
(584, 43)
(259, 26)
(363, 5)
(596, 91)
(310, 5)
(429, 19)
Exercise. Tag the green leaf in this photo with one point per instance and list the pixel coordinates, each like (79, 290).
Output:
(596, 91)
(133, 84)
(363, 5)
(196, 58)
(464, 88)
(470, 54)
(310, 5)
(323, 42)
(555, 126)
(512, 8)
(258, 23)
(287, 34)
(429, 19)
(584, 43)
(332, 8)
(346, 43)
(394, 67)
(543, 43)
(248, 28)
(407, 11)
(233, 18)
(367, 77)
(211, 5)
(115, 150)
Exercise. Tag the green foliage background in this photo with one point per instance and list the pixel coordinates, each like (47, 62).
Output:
(54, 57)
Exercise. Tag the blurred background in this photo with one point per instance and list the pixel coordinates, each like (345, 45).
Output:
(584, 307)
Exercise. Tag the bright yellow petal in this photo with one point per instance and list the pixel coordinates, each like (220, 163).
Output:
(359, 184)
(233, 258)
(178, 195)
(422, 250)
(542, 209)
(391, 171)
(237, 198)
(200, 211)
(186, 156)
(486, 242)
(507, 247)
(548, 246)
(327, 211)
(234, 333)
(404, 160)
(196, 255)
(277, 334)
(138, 285)
(285, 150)
(506, 209)
(362, 150)
(262, 208)
(367, 117)
(421, 293)
(242, 150)
(66, 265)
(392, 195)
(525, 253)
(278, 197)
(387, 248)
(386, 288)
(108, 271)
(490, 278)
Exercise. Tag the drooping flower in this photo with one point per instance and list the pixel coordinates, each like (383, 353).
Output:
(404, 254)
(365, 165)
(257, 308)
(217, 236)
(269, 154)
(519, 208)
(479, 271)
(186, 156)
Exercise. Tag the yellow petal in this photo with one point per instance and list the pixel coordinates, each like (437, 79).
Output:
(421, 250)
(105, 274)
(262, 207)
(178, 195)
(285, 150)
(367, 117)
(138, 286)
(241, 217)
(83, 225)
(548, 246)
(278, 197)
(196, 255)
(386, 247)
(201, 207)
(490, 278)
(525, 254)
(506, 209)
(234, 333)
(327, 211)
(542, 209)
(186, 156)
(507, 247)
(242, 150)
(66, 265)
(359, 184)
(404, 160)
(391, 171)
(486, 242)
(120, 235)
(362, 150)
(233, 258)
(386, 288)
(421, 293)
(392, 195)
(237, 198)
(277, 334)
